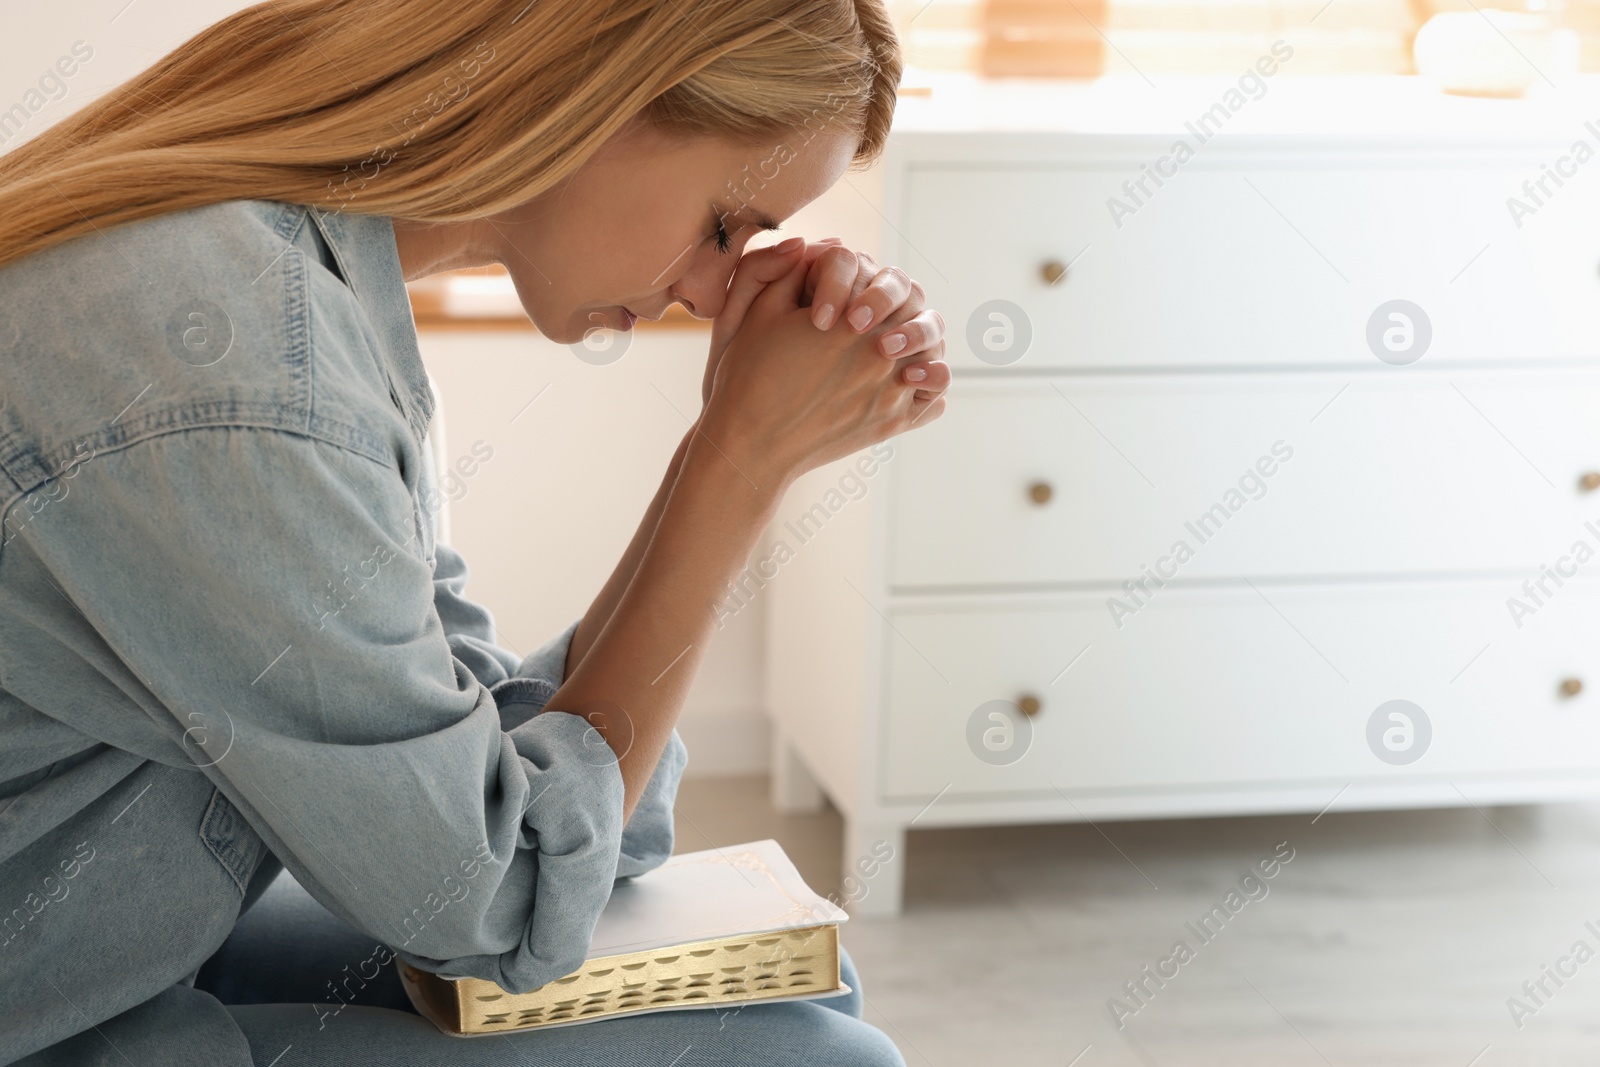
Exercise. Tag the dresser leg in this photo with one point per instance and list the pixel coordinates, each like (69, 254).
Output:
(874, 867)
(795, 790)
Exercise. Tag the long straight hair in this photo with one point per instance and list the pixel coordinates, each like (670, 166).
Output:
(441, 112)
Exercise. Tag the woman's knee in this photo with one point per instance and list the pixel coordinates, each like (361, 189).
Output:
(807, 1033)
(869, 1047)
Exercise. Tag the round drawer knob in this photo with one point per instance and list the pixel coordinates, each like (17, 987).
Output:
(1589, 481)
(1052, 271)
(1040, 492)
(1571, 687)
(1029, 705)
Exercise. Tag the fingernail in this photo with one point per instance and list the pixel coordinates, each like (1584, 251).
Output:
(916, 374)
(893, 343)
(861, 317)
(790, 245)
(824, 316)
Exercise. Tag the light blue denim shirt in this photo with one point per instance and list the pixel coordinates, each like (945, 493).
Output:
(229, 641)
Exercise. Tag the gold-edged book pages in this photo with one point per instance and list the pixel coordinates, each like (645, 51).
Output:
(729, 970)
(705, 929)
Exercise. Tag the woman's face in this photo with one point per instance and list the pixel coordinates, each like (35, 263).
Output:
(637, 226)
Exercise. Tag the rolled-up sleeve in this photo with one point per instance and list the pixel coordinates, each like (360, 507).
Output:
(522, 687)
(270, 614)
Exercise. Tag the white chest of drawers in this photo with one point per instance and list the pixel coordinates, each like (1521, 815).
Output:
(1173, 557)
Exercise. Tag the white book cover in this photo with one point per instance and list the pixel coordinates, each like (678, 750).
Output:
(721, 892)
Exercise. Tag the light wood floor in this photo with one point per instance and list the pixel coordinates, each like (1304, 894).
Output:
(1389, 938)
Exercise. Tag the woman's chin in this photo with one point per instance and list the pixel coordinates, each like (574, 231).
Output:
(562, 333)
(580, 324)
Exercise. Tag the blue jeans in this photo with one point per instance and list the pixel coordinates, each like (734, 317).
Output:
(290, 975)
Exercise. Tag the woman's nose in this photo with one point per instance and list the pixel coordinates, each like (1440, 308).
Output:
(703, 290)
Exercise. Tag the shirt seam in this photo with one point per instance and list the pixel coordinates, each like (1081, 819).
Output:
(297, 316)
(213, 414)
(381, 457)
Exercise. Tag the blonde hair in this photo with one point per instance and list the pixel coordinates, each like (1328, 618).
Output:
(442, 112)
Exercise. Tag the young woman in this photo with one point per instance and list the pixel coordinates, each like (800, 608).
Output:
(228, 642)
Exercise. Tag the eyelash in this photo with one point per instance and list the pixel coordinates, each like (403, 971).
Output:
(724, 241)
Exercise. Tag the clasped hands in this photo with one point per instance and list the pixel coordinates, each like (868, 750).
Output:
(818, 352)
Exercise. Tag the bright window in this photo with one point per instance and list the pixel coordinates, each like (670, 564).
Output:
(1087, 38)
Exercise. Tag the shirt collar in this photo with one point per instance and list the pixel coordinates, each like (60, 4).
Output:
(370, 260)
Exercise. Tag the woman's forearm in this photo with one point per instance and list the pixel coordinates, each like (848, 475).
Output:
(600, 610)
(632, 680)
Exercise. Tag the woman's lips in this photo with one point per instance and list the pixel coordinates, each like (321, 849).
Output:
(628, 318)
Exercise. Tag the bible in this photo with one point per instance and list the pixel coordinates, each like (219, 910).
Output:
(723, 927)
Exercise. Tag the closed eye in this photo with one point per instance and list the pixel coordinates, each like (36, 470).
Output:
(723, 238)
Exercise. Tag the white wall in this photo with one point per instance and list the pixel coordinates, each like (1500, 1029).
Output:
(124, 38)
(543, 522)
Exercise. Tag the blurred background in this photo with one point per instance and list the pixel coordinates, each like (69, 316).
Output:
(1243, 599)
(1090, 38)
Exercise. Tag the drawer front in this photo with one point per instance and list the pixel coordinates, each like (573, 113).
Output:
(1222, 475)
(1223, 687)
(1268, 260)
